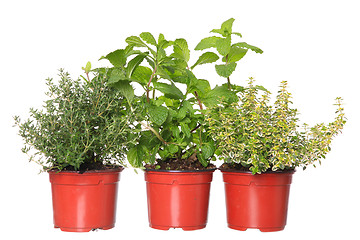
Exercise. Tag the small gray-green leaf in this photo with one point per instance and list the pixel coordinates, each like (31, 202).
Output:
(225, 70)
(208, 57)
(158, 114)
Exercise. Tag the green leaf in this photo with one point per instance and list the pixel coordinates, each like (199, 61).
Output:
(208, 42)
(181, 50)
(148, 38)
(116, 75)
(141, 75)
(117, 58)
(203, 86)
(158, 114)
(185, 129)
(162, 73)
(225, 70)
(218, 94)
(223, 45)
(125, 89)
(170, 91)
(163, 43)
(135, 41)
(236, 33)
(235, 54)
(226, 28)
(134, 63)
(135, 156)
(172, 148)
(248, 46)
(208, 57)
(202, 159)
(88, 67)
(207, 150)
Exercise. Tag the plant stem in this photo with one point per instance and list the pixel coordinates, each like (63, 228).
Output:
(154, 131)
(148, 86)
(229, 84)
(197, 98)
(228, 78)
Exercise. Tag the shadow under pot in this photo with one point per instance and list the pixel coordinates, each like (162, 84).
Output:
(84, 202)
(178, 199)
(257, 201)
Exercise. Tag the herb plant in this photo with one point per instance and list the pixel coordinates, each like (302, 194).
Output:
(84, 125)
(172, 135)
(230, 53)
(253, 135)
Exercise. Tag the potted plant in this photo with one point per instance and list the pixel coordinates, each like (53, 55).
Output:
(80, 138)
(261, 145)
(174, 149)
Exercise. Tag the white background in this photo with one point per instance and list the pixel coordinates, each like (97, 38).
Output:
(314, 45)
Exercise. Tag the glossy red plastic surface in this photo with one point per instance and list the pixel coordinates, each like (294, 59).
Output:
(83, 202)
(257, 201)
(178, 199)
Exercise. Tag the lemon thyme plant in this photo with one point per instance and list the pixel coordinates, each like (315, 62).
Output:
(254, 135)
(84, 125)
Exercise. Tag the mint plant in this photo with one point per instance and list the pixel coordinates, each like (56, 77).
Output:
(229, 52)
(170, 119)
(84, 124)
(256, 136)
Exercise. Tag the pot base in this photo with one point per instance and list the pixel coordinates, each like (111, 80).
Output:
(273, 229)
(65, 229)
(166, 228)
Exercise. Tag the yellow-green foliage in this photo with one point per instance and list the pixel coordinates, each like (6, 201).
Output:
(264, 137)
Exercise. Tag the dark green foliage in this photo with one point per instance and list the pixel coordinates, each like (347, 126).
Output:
(170, 118)
(83, 124)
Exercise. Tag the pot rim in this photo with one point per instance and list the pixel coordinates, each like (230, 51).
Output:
(180, 171)
(270, 172)
(110, 170)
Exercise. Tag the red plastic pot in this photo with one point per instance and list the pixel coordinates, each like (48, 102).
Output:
(178, 199)
(257, 201)
(83, 202)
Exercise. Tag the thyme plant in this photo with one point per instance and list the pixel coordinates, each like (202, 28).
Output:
(84, 125)
(257, 136)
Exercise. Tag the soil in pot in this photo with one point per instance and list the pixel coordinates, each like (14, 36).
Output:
(189, 164)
